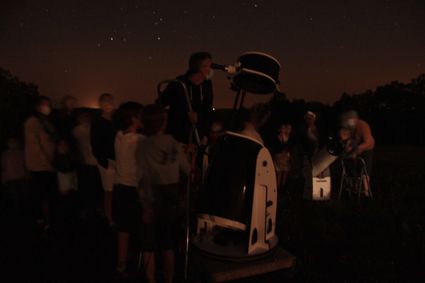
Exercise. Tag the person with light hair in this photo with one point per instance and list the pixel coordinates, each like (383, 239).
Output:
(362, 135)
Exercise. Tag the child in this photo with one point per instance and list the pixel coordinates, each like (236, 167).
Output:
(14, 175)
(251, 120)
(161, 160)
(126, 210)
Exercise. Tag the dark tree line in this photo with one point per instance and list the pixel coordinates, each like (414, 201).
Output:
(395, 111)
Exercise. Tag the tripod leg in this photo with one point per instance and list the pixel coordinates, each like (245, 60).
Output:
(341, 186)
(186, 259)
(235, 104)
(242, 99)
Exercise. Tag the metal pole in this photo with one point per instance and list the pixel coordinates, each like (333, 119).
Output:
(186, 258)
(242, 99)
(235, 104)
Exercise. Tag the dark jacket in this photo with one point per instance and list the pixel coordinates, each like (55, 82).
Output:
(201, 98)
(102, 136)
(64, 124)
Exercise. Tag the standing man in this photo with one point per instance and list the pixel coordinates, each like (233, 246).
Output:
(200, 92)
(103, 146)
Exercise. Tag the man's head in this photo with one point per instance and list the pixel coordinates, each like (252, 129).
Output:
(215, 131)
(285, 129)
(310, 119)
(154, 119)
(106, 103)
(260, 113)
(43, 105)
(130, 115)
(344, 133)
(68, 103)
(200, 62)
(349, 119)
(255, 117)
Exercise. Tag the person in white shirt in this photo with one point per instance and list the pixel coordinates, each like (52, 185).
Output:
(162, 161)
(251, 120)
(40, 147)
(126, 208)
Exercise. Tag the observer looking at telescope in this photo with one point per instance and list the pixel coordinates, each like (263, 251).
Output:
(362, 135)
(200, 92)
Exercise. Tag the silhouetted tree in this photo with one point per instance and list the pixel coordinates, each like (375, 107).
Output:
(15, 104)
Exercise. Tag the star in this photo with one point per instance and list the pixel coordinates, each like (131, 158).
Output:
(98, 44)
(111, 38)
(158, 38)
(255, 5)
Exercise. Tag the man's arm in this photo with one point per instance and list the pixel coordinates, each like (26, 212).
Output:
(368, 140)
(96, 144)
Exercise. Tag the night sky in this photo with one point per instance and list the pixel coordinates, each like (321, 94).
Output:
(325, 47)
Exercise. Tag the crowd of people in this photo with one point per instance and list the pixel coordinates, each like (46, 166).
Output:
(129, 164)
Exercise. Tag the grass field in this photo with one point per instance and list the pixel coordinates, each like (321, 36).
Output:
(374, 241)
(383, 239)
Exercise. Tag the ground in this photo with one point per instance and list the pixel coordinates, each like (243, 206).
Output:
(379, 240)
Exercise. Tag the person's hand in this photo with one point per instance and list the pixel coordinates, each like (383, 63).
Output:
(204, 141)
(103, 162)
(148, 216)
(189, 149)
(193, 117)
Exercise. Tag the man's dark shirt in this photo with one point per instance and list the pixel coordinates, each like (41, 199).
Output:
(103, 140)
(201, 97)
